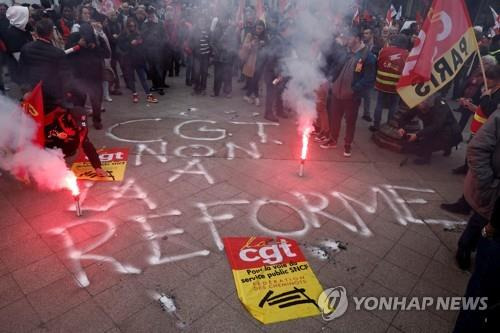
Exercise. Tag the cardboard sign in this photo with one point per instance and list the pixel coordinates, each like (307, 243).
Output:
(113, 161)
(273, 279)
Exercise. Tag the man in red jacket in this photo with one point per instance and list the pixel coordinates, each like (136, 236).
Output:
(390, 64)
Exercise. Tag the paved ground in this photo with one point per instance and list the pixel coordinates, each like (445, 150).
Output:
(371, 204)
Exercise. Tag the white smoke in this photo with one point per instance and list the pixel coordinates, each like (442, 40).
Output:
(313, 30)
(24, 159)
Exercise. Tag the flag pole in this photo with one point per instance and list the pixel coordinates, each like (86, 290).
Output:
(482, 69)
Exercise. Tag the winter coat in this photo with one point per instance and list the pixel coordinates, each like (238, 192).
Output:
(154, 41)
(41, 61)
(438, 122)
(482, 183)
(131, 55)
(251, 55)
(224, 43)
(88, 63)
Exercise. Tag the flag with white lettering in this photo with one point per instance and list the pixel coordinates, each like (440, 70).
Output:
(444, 44)
(273, 279)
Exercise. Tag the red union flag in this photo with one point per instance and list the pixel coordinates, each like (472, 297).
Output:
(445, 42)
(33, 106)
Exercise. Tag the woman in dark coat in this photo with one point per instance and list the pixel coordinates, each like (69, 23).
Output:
(130, 49)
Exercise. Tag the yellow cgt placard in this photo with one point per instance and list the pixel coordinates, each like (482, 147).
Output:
(273, 279)
(113, 161)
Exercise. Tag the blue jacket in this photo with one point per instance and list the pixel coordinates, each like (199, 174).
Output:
(365, 79)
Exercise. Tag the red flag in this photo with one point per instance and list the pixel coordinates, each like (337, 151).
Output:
(356, 19)
(391, 12)
(445, 42)
(240, 14)
(366, 16)
(282, 5)
(260, 10)
(419, 19)
(33, 106)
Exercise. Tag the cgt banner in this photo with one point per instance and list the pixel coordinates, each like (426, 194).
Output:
(273, 279)
(113, 161)
(442, 48)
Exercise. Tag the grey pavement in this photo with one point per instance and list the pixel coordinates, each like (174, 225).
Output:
(147, 235)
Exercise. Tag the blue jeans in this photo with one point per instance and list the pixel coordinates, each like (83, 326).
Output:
(129, 76)
(366, 101)
(390, 101)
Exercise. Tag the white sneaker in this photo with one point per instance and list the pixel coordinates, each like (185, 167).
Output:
(248, 99)
(257, 101)
(108, 99)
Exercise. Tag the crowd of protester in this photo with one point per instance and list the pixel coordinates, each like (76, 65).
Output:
(85, 54)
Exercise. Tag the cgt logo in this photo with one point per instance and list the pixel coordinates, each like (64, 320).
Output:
(269, 254)
(333, 303)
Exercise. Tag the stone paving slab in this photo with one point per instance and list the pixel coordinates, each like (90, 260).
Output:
(148, 235)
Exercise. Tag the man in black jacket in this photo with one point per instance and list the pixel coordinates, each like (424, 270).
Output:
(87, 66)
(440, 132)
(41, 61)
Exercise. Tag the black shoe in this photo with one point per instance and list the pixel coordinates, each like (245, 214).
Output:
(422, 160)
(461, 170)
(373, 128)
(463, 259)
(153, 89)
(282, 115)
(161, 92)
(457, 208)
(329, 144)
(97, 125)
(214, 95)
(165, 85)
(367, 118)
(272, 118)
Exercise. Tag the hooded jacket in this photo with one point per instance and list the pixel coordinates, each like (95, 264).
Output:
(17, 34)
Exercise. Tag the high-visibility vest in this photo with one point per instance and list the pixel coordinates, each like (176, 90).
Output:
(478, 120)
(390, 64)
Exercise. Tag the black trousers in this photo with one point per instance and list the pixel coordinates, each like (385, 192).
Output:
(92, 89)
(175, 63)
(472, 233)
(424, 147)
(223, 77)
(200, 72)
(189, 70)
(274, 96)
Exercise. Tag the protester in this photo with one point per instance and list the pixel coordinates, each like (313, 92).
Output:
(65, 23)
(224, 51)
(41, 61)
(254, 59)
(274, 77)
(482, 186)
(440, 130)
(17, 35)
(201, 49)
(130, 49)
(113, 29)
(487, 104)
(355, 78)
(87, 65)
(390, 65)
(154, 36)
